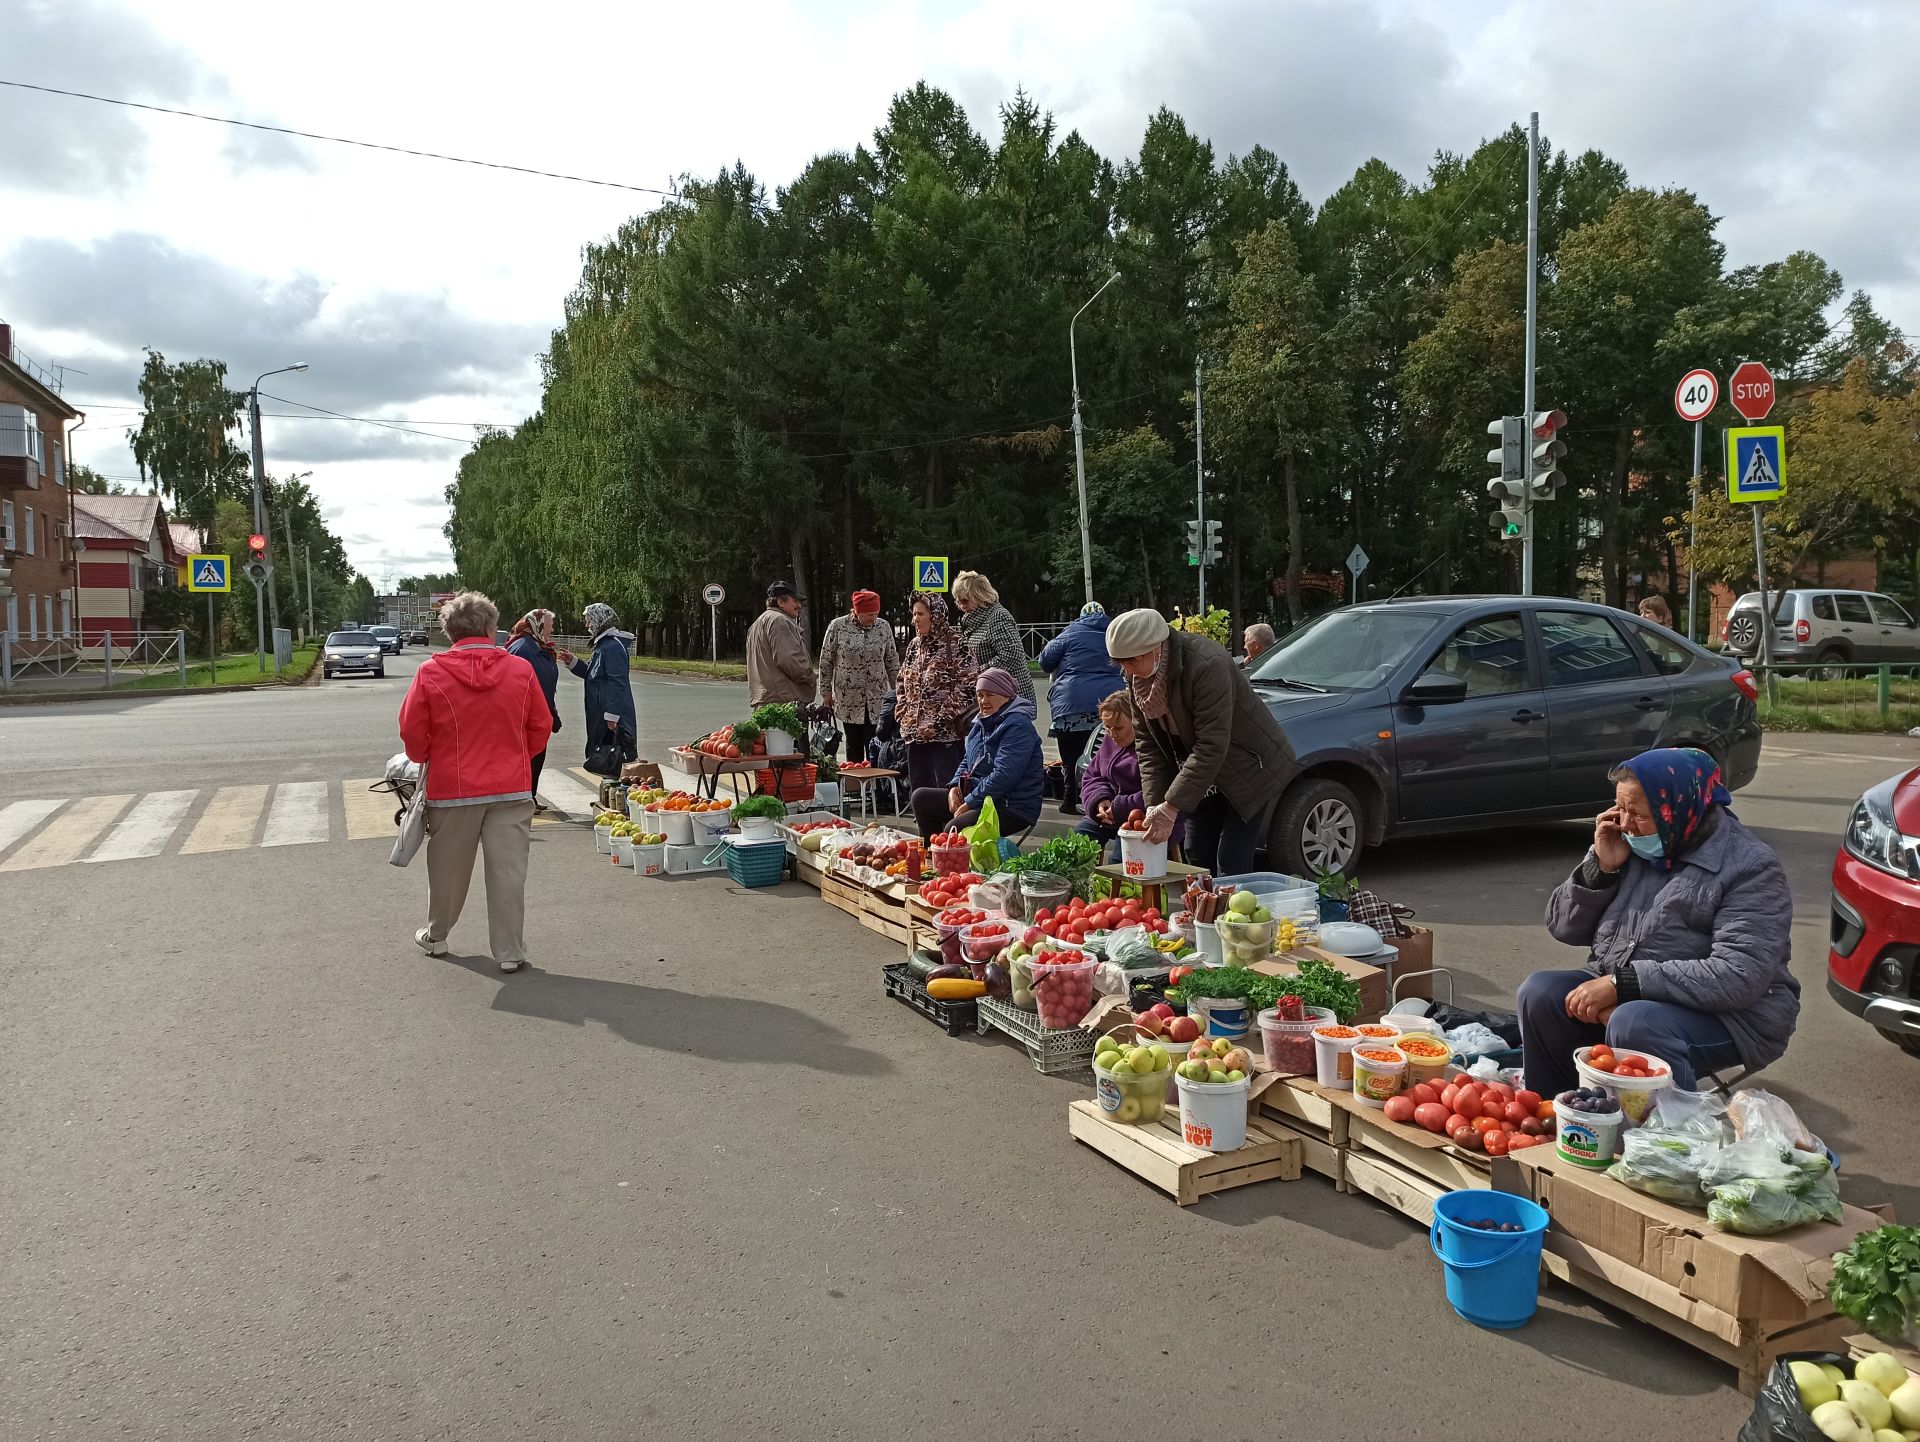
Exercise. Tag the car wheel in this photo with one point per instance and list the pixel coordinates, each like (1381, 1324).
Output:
(379, 670)
(1318, 828)
(1908, 1044)
(1743, 633)
(1830, 665)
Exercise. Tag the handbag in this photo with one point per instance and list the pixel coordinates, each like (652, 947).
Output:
(605, 757)
(1388, 918)
(413, 825)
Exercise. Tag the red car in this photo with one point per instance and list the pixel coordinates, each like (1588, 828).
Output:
(1873, 965)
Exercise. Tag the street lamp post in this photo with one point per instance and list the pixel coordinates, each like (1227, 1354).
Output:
(1079, 445)
(261, 588)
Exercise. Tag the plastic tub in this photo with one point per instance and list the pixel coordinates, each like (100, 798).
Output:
(650, 860)
(981, 941)
(1289, 1044)
(950, 860)
(756, 827)
(1221, 1017)
(1408, 1022)
(1493, 1277)
(678, 826)
(1379, 1072)
(1141, 859)
(1213, 1115)
(1333, 1054)
(1587, 1139)
(623, 851)
(1635, 1094)
(1242, 942)
(1207, 942)
(1131, 1096)
(710, 826)
(1020, 975)
(1042, 891)
(1063, 991)
(1427, 1057)
(1383, 1031)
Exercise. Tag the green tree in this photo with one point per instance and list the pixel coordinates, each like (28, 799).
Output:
(187, 444)
(86, 481)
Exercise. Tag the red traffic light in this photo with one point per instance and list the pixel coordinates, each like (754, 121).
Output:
(257, 544)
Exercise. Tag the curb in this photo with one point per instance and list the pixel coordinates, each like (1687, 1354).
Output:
(64, 698)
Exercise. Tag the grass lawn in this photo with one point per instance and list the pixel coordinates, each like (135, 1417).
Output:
(711, 670)
(1850, 703)
(236, 670)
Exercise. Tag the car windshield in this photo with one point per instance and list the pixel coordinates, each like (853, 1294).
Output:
(1344, 650)
(351, 638)
(385, 631)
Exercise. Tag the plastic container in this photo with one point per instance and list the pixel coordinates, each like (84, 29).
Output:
(755, 861)
(756, 827)
(710, 826)
(1131, 1096)
(1587, 1139)
(1379, 1072)
(1041, 891)
(1207, 942)
(1493, 1277)
(1333, 1054)
(650, 860)
(951, 860)
(1221, 1017)
(1141, 859)
(637, 812)
(1213, 1115)
(1408, 1022)
(1020, 974)
(623, 851)
(677, 826)
(1063, 991)
(1242, 942)
(1635, 1094)
(603, 839)
(1427, 1057)
(1289, 1044)
(981, 941)
(779, 743)
(1382, 1031)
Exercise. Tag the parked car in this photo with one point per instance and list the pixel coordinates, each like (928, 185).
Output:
(352, 651)
(1873, 956)
(1449, 713)
(390, 639)
(1818, 626)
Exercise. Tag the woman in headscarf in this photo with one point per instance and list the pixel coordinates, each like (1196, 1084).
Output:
(532, 641)
(1083, 676)
(609, 678)
(858, 661)
(933, 699)
(1685, 914)
(1002, 761)
(989, 629)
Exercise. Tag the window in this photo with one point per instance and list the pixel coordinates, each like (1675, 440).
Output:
(1670, 658)
(1888, 612)
(13, 617)
(1490, 655)
(1823, 609)
(1853, 610)
(6, 523)
(1583, 647)
(59, 465)
(66, 614)
(19, 432)
(28, 547)
(33, 617)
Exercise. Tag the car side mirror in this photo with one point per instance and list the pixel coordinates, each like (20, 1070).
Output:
(1435, 691)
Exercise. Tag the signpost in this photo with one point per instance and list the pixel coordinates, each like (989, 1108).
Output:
(713, 594)
(1357, 562)
(1756, 473)
(211, 574)
(930, 573)
(1694, 398)
(1750, 388)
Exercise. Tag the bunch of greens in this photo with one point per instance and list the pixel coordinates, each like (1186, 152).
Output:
(1336, 885)
(745, 733)
(1876, 1282)
(1071, 856)
(771, 806)
(1317, 984)
(825, 768)
(778, 716)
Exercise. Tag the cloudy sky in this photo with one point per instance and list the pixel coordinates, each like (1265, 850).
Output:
(420, 292)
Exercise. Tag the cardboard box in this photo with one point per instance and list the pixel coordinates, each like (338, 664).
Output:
(641, 773)
(1373, 981)
(1416, 955)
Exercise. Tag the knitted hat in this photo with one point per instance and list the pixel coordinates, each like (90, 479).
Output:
(1134, 633)
(995, 682)
(865, 601)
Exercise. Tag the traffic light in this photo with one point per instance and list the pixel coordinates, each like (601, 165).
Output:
(1193, 543)
(1213, 542)
(1195, 556)
(1508, 486)
(257, 545)
(1543, 461)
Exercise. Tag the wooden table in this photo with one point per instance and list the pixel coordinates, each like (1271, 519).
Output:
(863, 778)
(707, 770)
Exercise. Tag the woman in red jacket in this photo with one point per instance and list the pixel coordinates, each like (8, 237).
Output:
(476, 717)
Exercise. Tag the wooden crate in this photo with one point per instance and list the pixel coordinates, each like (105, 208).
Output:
(869, 908)
(1157, 1155)
(1374, 1176)
(1294, 1107)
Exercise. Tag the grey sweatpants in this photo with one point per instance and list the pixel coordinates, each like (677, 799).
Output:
(504, 829)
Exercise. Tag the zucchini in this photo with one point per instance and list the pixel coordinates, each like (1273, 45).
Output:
(954, 988)
(923, 964)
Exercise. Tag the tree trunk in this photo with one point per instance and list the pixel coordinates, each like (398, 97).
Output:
(1294, 539)
(933, 478)
(1146, 570)
(847, 561)
(1611, 498)
(1234, 609)
(799, 554)
(1673, 580)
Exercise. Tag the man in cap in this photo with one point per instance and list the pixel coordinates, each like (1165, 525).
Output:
(777, 665)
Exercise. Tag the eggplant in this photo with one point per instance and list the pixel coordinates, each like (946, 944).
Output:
(999, 984)
(954, 973)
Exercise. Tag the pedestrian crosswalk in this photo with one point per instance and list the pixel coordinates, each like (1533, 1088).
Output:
(43, 832)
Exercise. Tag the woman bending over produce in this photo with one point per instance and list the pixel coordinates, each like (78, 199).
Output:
(1685, 913)
(1002, 760)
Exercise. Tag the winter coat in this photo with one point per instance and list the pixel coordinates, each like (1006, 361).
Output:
(994, 639)
(609, 678)
(1112, 775)
(544, 666)
(857, 667)
(1003, 761)
(1083, 673)
(933, 700)
(1711, 934)
(1217, 735)
(477, 718)
(777, 668)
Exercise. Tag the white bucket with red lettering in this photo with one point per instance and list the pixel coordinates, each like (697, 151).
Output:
(1141, 859)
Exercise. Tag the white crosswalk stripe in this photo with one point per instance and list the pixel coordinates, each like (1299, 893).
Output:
(561, 792)
(22, 816)
(299, 814)
(152, 821)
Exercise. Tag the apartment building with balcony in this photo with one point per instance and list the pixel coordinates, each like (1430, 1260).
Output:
(36, 544)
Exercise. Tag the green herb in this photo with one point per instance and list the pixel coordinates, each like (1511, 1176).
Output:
(1876, 1281)
(825, 768)
(1336, 885)
(771, 806)
(1071, 856)
(745, 733)
(1317, 984)
(778, 716)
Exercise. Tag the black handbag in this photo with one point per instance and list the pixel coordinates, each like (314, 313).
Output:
(606, 756)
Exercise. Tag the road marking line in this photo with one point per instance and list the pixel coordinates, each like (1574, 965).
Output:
(147, 827)
(299, 814)
(68, 834)
(582, 774)
(369, 813)
(227, 823)
(21, 817)
(562, 794)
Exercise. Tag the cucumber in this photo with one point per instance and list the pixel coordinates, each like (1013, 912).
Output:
(922, 964)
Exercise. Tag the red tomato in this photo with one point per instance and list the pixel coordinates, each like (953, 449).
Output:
(1456, 1126)
(1528, 1099)
(1431, 1115)
(1152, 913)
(1496, 1144)
(1633, 1060)
(1499, 1090)
(1399, 1109)
(1470, 1139)
(1483, 1125)
(1603, 1050)
(1424, 1093)
(1604, 1064)
(1043, 916)
(1466, 1102)
(1448, 1094)
(1546, 1112)
(1514, 1112)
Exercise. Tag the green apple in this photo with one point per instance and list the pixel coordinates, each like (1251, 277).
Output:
(1813, 1385)
(1105, 1044)
(1882, 1370)
(1236, 1075)
(1260, 913)
(1869, 1401)
(1142, 1059)
(1242, 903)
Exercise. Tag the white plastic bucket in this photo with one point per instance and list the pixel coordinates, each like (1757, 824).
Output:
(1289, 1045)
(1375, 1080)
(1213, 1115)
(678, 827)
(1129, 1096)
(755, 826)
(1226, 1017)
(636, 811)
(623, 851)
(779, 743)
(1141, 859)
(650, 860)
(1635, 1094)
(603, 839)
(1587, 1139)
(710, 826)
(1333, 1056)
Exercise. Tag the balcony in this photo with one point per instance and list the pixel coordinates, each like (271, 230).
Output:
(22, 453)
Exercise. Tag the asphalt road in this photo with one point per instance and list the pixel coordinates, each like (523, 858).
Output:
(272, 1173)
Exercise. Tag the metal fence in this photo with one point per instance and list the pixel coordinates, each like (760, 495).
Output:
(71, 664)
(1848, 690)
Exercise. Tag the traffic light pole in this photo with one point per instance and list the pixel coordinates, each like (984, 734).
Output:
(259, 470)
(1200, 486)
(1533, 304)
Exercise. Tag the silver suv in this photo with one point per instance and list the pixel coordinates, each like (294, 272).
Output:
(1817, 626)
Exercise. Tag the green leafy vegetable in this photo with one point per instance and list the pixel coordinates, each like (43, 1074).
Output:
(1318, 984)
(771, 806)
(778, 716)
(1876, 1282)
(1071, 856)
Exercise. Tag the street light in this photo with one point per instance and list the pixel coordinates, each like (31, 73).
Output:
(265, 583)
(1079, 446)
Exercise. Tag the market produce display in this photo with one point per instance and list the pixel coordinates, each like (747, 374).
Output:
(1603, 1059)
(1490, 1117)
(1216, 1061)
(1062, 986)
(946, 891)
(1160, 1019)
(1079, 919)
(1876, 1281)
(1131, 1080)
(730, 743)
(1316, 984)
(1071, 855)
(1880, 1401)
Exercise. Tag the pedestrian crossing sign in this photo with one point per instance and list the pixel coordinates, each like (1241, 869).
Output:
(209, 573)
(1756, 463)
(930, 573)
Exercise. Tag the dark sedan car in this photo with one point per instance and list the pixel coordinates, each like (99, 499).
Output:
(1451, 713)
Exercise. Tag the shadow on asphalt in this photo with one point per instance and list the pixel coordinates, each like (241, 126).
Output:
(729, 1029)
(1835, 1127)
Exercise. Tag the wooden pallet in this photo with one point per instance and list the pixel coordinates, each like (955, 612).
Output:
(869, 908)
(1294, 1110)
(1404, 1191)
(1157, 1154)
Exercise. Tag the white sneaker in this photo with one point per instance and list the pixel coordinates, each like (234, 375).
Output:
(511, 965)
(423, 938)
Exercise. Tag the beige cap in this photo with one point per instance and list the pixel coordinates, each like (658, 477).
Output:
(1134, 633)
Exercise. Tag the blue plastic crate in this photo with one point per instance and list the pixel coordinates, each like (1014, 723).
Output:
(756, 863)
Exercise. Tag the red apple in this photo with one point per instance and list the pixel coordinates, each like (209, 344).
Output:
(1162, 1010)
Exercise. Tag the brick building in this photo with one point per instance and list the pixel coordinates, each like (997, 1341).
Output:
(129, 551)
(35, 511)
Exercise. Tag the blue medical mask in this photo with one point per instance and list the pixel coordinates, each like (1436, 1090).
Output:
(1647, 848)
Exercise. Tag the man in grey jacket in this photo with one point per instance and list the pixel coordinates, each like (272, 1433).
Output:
(777, 666)
(1686, 915)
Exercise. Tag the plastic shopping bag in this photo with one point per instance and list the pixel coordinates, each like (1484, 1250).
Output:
(985, 836)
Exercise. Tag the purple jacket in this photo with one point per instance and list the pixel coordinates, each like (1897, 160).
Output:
(1113, 775)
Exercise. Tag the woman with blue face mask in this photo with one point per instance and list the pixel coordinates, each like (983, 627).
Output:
(1686, 916)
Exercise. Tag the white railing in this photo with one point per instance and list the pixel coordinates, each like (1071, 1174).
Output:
(72, 664)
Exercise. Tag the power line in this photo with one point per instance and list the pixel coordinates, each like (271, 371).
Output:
(364, 420)
(91, 406)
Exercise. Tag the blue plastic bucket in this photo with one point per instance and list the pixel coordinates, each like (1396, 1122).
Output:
(1493, 1278)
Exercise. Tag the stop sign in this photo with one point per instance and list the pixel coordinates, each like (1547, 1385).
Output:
(1750, 389)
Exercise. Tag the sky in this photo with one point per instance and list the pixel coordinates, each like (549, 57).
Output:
(421, 293)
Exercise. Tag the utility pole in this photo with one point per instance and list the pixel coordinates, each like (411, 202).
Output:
(1533, 304)
(1200, 485)
(1079, 445)
(260, 516)
(309, 554)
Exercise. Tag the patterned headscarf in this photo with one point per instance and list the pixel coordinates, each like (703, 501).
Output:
(1682, 785)
(933, 700)
(599, 617)
(537, 624)
(1093, 608)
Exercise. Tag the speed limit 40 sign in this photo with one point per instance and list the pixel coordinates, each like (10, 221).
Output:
(1696, 395)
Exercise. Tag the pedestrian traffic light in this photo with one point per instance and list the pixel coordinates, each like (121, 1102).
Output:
(1543, 460)
(1213, 542)
(1508, 485)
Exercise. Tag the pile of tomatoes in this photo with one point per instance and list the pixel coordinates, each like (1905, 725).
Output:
(1078, 919)
(960, 916)
(1489, 1117)
(722, 745)
(1629, 1064)
(944, 891)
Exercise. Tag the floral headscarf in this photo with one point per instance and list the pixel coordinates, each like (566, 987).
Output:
(1682, 784)
(599, 618)
(934, 698)
(537, 624)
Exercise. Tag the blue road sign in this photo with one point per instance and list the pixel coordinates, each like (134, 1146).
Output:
(929, 573)
(1756, 463)
(209, 573)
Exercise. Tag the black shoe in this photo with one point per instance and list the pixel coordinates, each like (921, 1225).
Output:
(1067, 808)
